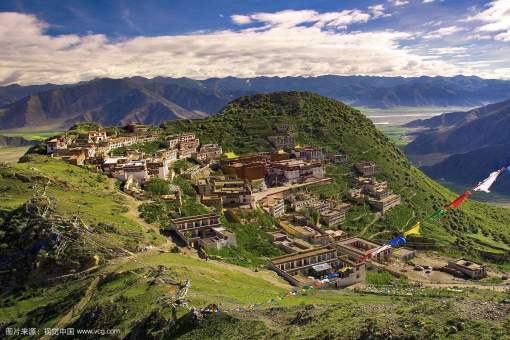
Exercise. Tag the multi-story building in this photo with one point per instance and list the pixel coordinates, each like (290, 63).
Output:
(188, 148)
(207, 152)
(171, 142)
(136, 128)
(309, 153)
(281, 141)
(158, 167)
(295, 170)
(288, 244)
(386, 203)
(285, 128)
(304, 201)
(202, 231)
(332, 217)
(358, 249)
(274, 206)
(249, 171)
(55, 144)
(322, 262)
(232, 191)
(136, 169)
(92, 137)
(337, 158)
(375, 193)
(367, 168)
(169, 154)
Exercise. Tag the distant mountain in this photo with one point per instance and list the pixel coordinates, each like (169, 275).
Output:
(461, 132)
(15, 141)
(109, 102)
(115, 101)
(471, 167)
(477, 142)
(10, 94)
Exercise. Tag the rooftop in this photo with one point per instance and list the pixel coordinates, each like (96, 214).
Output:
(472, 265)
(302, 254)
(194, 218)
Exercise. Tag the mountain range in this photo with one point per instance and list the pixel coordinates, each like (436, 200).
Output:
(116, 101)
(476, 142)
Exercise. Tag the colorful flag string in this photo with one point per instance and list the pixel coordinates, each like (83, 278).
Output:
(484, 186)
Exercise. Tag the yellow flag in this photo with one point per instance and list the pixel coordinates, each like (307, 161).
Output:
(414, 230)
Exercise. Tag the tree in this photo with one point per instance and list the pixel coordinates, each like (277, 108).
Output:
(157, 186)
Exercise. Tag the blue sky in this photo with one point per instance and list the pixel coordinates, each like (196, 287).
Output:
(69, 41)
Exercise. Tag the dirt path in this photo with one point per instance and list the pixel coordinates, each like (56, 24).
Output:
(133, 214)
(77, 308)
(376, 218)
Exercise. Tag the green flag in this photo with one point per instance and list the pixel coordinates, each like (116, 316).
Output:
(437, 215)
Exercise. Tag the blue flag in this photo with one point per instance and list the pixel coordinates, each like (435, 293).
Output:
(398, 241)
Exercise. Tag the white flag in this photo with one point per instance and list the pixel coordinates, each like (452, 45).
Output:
(487, 183)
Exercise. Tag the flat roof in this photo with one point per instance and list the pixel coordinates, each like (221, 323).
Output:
(468, 264)
(302, 254)
(193, 218)
(348, 241)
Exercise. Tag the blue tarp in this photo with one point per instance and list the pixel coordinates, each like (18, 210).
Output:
(398, 241)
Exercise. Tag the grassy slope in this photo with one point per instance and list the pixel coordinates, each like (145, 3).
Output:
(77, 191)
(125, 293)
(243, 125)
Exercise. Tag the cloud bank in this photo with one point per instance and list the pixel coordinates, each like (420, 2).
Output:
(286, 43)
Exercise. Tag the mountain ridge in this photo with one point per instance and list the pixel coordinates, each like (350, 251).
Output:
(161, 98)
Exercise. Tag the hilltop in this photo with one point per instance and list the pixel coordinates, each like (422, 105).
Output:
(246, 122)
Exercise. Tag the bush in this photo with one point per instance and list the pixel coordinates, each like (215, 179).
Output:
(157, 186)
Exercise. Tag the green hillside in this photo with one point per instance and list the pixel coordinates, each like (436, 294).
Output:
(117, 272)
(245, 123)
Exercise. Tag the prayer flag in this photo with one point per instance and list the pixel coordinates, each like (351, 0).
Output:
(413, 231)
(488, 182)
(397, 241)
(459, 200)
(437, 215)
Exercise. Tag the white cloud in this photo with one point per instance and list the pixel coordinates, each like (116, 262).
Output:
(240, 19)
(398, 2)
(448, 50)
(443, 32)
(291, 18)
(377, 11)
(495, 20)
(281, 47)
(427, 1)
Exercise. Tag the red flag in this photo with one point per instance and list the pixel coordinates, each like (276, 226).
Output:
(459, 200)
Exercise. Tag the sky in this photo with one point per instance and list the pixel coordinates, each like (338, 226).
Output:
(58, 41)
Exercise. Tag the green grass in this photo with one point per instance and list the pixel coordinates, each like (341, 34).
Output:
(395, 134)
(382, 278)
(36, 135)
(149, 148)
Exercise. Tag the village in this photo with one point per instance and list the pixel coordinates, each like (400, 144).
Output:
(307, 228)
